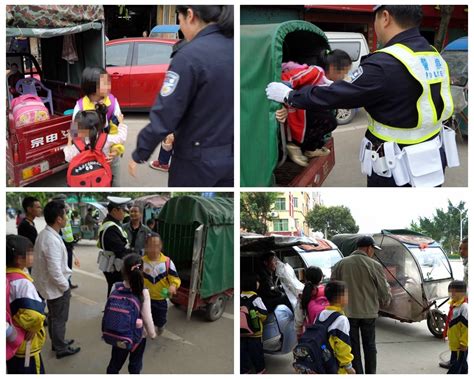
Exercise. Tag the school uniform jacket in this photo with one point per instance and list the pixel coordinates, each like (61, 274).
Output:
(157, 277)
(339, 338)
(260, 309)
(458, 332)
(27, 310)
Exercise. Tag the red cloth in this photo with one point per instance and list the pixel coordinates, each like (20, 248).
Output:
(298, 78)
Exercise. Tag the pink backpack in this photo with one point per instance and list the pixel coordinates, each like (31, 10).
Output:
(28, 109)
(12, 347)
(316, 305)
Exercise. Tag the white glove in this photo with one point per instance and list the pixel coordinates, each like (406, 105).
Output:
(277, 92)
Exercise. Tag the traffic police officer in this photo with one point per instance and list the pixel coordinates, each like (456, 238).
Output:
(196, 102)
(113, 241)
(405, 90)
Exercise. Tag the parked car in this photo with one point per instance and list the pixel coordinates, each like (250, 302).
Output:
(137, 68)
(356, 46)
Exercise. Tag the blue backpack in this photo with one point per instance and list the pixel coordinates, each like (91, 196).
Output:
(313, 353)
(119, 324)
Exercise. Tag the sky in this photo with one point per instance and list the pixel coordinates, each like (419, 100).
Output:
(388, 208)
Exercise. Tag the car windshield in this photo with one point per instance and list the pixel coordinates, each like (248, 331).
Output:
(433, 262)
(457, 63)
(325, 260)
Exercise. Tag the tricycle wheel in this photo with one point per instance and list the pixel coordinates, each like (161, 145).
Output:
(436, 321)
(215, 310)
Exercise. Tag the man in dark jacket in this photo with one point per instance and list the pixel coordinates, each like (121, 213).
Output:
(270, 293)
(136, 230)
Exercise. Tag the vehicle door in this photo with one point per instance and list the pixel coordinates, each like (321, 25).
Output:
(149, 65)
(118, 59)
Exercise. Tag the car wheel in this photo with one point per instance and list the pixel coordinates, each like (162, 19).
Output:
(345, 116)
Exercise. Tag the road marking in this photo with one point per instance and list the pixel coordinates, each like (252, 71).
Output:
(225, 315)
(174, 337)
(84, 300)
(87, 273)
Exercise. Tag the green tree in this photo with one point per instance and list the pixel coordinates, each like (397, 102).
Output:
(331, 220)
(254, 210)
(444, 225)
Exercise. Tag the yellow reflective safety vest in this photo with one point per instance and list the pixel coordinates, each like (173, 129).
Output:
(426, 67)
(103, 228)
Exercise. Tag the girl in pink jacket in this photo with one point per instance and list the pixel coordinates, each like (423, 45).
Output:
(312, 301)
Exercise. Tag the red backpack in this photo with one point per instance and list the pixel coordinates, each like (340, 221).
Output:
(90, 167)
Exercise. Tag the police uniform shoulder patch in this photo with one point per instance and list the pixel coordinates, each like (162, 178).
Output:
(170, 83)
(356, 74)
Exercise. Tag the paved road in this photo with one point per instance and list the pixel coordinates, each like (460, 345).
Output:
(401, 348)
(146, 177)
(346, 172)
(186, 347)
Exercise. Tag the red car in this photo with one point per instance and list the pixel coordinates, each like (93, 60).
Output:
(137, 68)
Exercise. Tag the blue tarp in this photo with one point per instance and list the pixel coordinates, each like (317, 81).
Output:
(165, 29)
(459, 44)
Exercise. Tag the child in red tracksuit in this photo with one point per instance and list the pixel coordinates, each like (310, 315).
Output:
(306, 129)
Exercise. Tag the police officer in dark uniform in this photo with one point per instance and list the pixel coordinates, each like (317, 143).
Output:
(196, 102)
(403, 107)
(113, 241)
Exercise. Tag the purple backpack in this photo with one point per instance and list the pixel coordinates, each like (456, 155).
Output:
(119, 324)
(110, 108)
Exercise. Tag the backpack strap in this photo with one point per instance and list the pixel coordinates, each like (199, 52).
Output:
(80, 104)
(111, 107)
(249, 300)
(11, 276)
(327, 323)
(167, 265)
(99, 145)
(80, 144)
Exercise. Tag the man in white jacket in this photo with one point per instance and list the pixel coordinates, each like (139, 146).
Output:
(51, 274)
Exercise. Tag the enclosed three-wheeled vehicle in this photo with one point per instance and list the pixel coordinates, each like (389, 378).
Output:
(198, 235)
(151, 205)
(418, 271)
(263, 159)
(298, 253)
(456, 56)
(53, 72)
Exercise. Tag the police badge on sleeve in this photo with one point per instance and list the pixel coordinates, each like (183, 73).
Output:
(356, 74)
(170, 83)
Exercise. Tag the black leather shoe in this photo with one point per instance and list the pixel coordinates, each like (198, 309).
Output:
(69, 351)
(68, 342)
(445, 365)
(73, 286)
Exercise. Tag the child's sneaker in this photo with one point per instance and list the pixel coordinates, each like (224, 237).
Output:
(160, 331)
(318, 152)
(156, 165)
